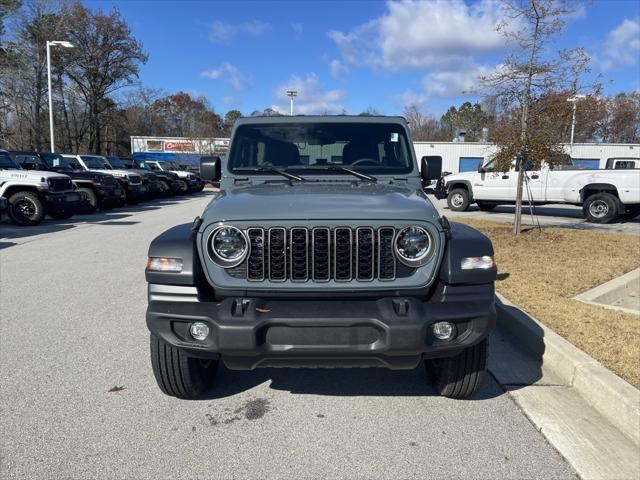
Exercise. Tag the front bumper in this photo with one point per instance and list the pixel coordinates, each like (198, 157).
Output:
(194, 184)
(109, 194)
(136, 191)
(154, 188)
(59, 201)
(247, 333)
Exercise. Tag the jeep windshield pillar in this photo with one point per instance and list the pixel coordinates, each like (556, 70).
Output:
(329, 255)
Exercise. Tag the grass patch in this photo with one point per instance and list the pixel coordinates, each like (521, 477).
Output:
(542, 272)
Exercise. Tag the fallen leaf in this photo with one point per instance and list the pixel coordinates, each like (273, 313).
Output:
(116, 388)
(262, 310)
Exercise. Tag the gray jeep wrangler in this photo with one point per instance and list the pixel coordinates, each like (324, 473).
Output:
(321, 249)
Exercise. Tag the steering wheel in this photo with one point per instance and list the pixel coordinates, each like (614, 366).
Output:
(364, 161)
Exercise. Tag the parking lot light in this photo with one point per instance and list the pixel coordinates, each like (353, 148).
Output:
(56, 43)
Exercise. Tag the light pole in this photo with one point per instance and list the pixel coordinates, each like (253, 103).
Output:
(574, 99)
(57, 43)
(291, 94)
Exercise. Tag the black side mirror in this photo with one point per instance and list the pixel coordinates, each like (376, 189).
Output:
(29, 165)
(210, 169)
(481, 169)
(431, 168)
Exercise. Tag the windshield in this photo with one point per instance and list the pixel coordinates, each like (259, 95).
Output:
(27, 158)
(53, 160)
(93, 162)
(374, 148)
(6, 161)
(167, 165)
(116, 162)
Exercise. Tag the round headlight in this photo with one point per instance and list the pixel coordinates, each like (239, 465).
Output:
(413, 246)
(229, 246)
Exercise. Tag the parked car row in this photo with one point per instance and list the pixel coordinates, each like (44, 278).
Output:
(33, 185)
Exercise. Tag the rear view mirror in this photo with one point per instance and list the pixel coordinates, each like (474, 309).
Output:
(210, 169)
(431, 168)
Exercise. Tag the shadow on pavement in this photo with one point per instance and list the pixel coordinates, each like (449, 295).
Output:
(344, 382)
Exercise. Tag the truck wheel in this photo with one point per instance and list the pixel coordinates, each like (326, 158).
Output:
(600, 208)
(25, 208)
(92, 199)
(179, 375)
(62, 214)
(184, 188)
(458, 200)
(632, 212)
(459, 376)
(486, 206)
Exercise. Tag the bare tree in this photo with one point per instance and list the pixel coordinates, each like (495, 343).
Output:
(422, 127)
(527, 75)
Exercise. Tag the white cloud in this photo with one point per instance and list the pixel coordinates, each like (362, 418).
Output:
(312, 97)
(221, 32)
(337, 68)
(419, 34)
(229, 73)
(622, 46)
(297, 28)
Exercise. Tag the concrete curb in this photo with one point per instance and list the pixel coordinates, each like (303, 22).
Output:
(611, 396)
(604, 294)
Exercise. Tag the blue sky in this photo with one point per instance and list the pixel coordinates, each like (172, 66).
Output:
(353, 55)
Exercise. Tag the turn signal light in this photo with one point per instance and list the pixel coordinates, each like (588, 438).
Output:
(485, 262)
(161, 264)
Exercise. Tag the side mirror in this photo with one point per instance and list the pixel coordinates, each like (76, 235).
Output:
(29, 165)
(431, 168)
(481, 169)
(210, 169)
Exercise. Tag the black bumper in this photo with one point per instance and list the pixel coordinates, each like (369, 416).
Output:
(194, 185)
(154, 188)
(136, 191)
(250, 332)
(60, 201)
(109, 194)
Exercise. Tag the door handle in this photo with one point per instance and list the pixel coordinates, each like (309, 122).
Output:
(505, 177)
(535, 176)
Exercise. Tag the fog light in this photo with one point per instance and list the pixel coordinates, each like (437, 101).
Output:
(444, 330)
(199, 330)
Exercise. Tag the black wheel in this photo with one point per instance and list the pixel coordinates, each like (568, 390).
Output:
(632, 212)
(179, 375)
(458, 200)
(459, 376)
(183, 187)
(601, 208)
(166, 189)
(62, 214)
(91, 198)
(25, 208)
(486, 206)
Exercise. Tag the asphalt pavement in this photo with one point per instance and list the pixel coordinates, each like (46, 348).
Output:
(72, 304)
(553, 215)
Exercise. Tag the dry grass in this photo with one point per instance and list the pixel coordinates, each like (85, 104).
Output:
(541, 272)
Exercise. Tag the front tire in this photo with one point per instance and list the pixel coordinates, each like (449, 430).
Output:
(179, 375)
(91, 198)
(460, 376)
(458, 200)
(25, 209)
(183, 187)
(601, 208)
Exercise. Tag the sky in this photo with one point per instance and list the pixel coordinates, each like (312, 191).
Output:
(354, 55)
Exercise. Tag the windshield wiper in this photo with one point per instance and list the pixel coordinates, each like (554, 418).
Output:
(340, 168)
(288, 175)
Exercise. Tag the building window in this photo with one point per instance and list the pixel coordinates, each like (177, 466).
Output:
(586, 163)
(469, 164)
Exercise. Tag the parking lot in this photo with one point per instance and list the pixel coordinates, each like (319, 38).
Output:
(563, 215)
(73, 304)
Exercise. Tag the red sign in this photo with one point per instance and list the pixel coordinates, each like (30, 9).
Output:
(179, 146)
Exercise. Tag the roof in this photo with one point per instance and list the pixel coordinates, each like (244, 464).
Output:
(322, 119)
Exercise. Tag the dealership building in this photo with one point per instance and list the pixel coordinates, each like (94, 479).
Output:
(456, 156)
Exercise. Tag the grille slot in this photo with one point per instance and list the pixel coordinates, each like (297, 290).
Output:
(57, 184)
(255, 264)
(365, 258)
(298, 249)
(321, 255)
(342, 254)
(386, 259)
(277, 254)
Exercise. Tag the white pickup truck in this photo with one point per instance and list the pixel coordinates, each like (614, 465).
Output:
(605, 195)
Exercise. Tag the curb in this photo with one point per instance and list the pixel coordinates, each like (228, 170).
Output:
(610, 395)
(604, 294)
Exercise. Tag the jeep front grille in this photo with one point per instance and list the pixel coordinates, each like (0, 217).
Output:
(60, 184)
(135, 179)
(109, 181)
(320, 254)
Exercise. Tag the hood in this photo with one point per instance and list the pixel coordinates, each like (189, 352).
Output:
(33, 175)
(321, 200)
(83, 175)
(116, 172)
